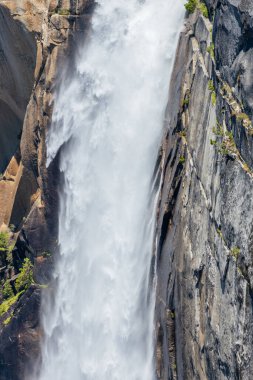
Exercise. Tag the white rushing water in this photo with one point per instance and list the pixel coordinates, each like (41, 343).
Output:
(110, 118)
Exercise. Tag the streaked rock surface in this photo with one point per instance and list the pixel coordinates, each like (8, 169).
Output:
(204, 294)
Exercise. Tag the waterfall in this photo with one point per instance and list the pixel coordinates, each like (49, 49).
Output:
(108, 121)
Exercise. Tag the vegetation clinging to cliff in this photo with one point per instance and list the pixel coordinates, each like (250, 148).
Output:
(4, 241)
(191, 5)
(22, 283)
(6, 247)
(25, 277)
(6, 305)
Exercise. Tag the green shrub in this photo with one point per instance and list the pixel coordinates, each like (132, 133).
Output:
(235, 252)
(6, 248)
(211, 86)
(213, 98)
(212, 89)
(7, 290)
(242, 116)
(182, 133)
(7, 320)
(218, 131)
(172, 314)
(213, 142)
(9, 257)
(5, 306)
(25, 277)
(181, 159)
(4, 241)
(223, 149)
(225, 144)
(191, 5)
(229, 135)
(186, 101)
(203, 9)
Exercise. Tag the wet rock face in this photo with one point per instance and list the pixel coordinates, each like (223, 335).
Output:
(205, 221)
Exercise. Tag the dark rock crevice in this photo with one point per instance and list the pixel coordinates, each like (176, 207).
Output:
(17, 65)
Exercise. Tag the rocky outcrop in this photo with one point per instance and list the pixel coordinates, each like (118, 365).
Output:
(36, 37)
(204, 264)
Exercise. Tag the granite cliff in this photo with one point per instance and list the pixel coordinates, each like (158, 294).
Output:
(204, 322)
(204, 294)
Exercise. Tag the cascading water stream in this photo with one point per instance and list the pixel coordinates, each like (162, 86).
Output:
(110, 120)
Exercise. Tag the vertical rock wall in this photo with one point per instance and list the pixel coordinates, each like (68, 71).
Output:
(204, 295)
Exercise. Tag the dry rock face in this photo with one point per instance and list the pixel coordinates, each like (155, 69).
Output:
(205, 223)
(36, 37)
